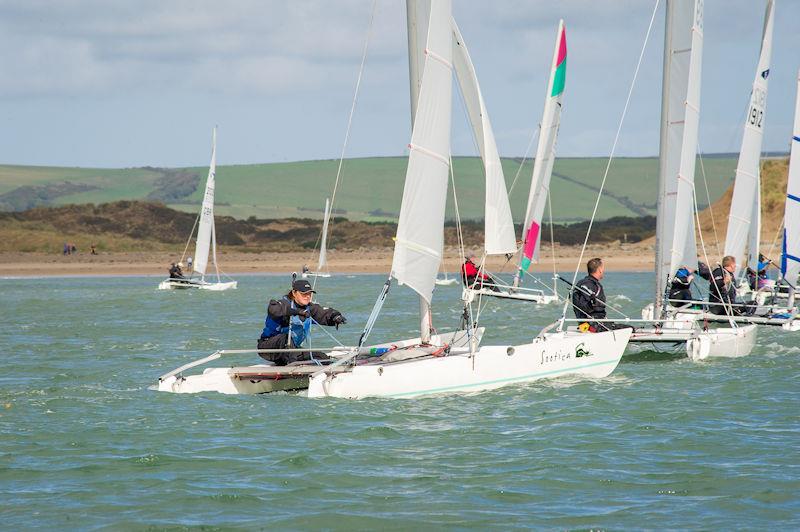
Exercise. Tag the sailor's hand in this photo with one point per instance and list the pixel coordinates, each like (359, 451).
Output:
(338, 319)
(299, 312)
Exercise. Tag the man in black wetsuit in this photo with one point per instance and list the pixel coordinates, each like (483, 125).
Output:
(681, 288)
(175, 271)
(589, 299)
(288, 324)
(722, 289)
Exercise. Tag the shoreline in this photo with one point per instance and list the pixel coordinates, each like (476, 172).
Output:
(617, 257)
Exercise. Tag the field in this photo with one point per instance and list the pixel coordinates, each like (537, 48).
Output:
(370, 188)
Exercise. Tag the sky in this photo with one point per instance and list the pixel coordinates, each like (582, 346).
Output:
(111, 83)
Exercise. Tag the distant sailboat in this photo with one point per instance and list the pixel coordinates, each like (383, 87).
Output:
(206, 239)
(322, 263)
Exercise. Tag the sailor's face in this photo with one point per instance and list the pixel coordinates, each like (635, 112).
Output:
(303, 298)
(599, 272)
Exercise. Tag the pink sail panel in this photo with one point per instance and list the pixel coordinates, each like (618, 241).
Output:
(530, 245)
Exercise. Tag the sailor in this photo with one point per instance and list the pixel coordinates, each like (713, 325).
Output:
(759, 280)
(589, 299)
(473, 277)
(681, 288)
(176, 271)
(288, 324)
(721, 288)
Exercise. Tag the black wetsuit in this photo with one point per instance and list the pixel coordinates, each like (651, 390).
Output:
(176, 273)
(680, 290)
(721, 293)
(279, 314)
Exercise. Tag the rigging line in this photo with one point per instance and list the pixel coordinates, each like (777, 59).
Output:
(460, 234)
(613, 149)
(534, 136)
(186, 248)
(708, 199)
(352, 109)
(777, 236)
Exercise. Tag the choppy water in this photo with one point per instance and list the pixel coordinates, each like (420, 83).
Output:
(659, 444)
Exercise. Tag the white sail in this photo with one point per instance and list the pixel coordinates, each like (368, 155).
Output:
(499, 235)
(323, 244)
(743, 221)
(680, 115)
(418, 13)
(206, 224)
(545, 153)
(790, 263)
(420, 229)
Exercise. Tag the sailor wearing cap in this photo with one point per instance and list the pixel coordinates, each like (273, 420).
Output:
(288, 324)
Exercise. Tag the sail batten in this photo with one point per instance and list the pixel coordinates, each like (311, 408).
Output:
(205, 226)
(743, 231)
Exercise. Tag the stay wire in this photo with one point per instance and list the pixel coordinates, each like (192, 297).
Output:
(613, 149)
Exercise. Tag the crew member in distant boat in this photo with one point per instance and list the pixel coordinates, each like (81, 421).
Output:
(722, 289)
(759, 280)
(288, 324)
(176, 271)
(680, 289)
(589, 300)
(473, 277)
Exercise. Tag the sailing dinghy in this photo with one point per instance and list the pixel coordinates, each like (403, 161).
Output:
(431, 368)
(675, 224)
(206, 240)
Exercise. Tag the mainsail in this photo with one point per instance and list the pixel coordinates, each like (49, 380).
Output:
(680, 115)
(499, 225)
(420, 228)
(790, 261)
(744, 220)
(206, 224)
(323, 245)
(545, 154)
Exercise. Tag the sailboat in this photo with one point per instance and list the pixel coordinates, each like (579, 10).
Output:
(431, 368)
(206, 239)
(790, 257)
(540, 184)
(322, 263)
(675, 225)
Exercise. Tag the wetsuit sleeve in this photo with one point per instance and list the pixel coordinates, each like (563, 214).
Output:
(323, 315)
(704, 271)
(581, 302)
(278, 309)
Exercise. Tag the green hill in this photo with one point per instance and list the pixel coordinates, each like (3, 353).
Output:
(370, 189)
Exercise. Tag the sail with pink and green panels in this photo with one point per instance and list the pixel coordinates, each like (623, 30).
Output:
(545, 152)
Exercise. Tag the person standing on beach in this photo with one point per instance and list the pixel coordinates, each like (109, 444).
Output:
(288, 324)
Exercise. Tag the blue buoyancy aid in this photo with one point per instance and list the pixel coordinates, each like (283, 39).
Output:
(297, 329)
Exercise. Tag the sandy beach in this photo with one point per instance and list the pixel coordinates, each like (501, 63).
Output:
(618, 257)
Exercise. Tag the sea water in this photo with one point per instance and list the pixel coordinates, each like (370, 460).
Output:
(86, 443)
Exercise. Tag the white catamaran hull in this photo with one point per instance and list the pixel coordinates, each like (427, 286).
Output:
(265, 378)
(182, 284)
(533, 296)
(552, 355)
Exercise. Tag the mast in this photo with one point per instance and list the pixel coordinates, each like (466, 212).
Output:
(745, 214)
(323, 245)
(662, 157)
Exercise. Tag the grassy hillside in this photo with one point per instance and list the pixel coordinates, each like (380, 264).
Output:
(148, 226)
(370, 188)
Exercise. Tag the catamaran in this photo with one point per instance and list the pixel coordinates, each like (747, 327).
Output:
(540, 187)
(206, 240)
(676, 209)
(431, 368)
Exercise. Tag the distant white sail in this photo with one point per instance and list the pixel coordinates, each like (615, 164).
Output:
(205, 226)
(545, 153)
(420, 229)
(680, 115)
(743, 223)
(323, 245)
(790, 261)
(499, 235)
